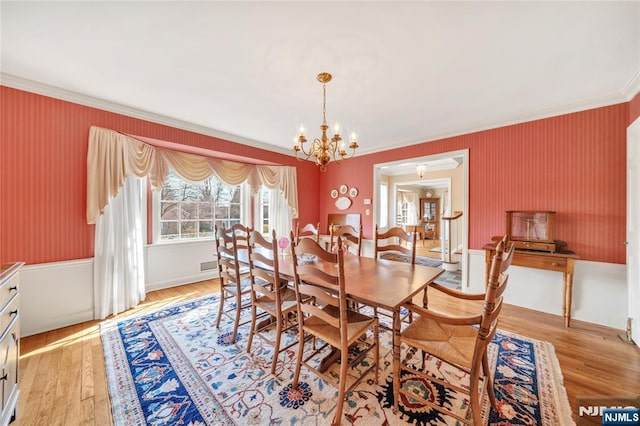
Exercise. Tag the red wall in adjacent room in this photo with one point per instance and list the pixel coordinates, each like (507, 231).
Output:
(573, 164)
(43, 173)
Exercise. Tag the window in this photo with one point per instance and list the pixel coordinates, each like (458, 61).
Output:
(384, 205)
(403, 215)
(263, 199)
(190, 210)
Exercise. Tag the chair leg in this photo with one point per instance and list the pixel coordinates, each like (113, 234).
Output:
(376, 340)
(296, 376)
(252, 330)
(276, 345)
(237, 320)
(396, 367)
(344, 360)
(220, 307)
(475, 398)
(489, 378)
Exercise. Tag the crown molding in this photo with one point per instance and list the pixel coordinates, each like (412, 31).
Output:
(32, 86)
(633, 87)
(9, 80)
(603, 101)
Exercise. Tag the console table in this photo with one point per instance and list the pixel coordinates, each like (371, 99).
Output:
(415, 229)
(559, 262)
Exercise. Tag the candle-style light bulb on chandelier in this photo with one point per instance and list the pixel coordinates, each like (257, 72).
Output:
(324, 149)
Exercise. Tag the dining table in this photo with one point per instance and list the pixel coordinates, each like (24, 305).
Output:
(378, 283)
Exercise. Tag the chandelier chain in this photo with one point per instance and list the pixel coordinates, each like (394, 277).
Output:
(324, 103)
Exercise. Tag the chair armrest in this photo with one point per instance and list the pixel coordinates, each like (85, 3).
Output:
(457, 293)
(447, 319)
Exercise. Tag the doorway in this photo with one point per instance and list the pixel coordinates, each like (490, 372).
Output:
(445, 177)
(633, 227)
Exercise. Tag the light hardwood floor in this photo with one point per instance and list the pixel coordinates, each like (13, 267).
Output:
(423, 247)
(63, 380)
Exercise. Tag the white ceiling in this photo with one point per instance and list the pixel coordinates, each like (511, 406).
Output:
(404, 73)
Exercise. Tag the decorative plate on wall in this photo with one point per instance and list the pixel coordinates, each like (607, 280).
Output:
(343, 203)
(343, 189)
(334, 193)
(353, 192)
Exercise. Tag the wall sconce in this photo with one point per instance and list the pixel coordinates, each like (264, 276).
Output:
(420, 170)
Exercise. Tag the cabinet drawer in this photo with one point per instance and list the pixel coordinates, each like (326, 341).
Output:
(8, 313)
(529, 245)
(540, 262)
(9, 359)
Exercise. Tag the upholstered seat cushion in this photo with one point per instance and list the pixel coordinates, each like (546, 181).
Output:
(455, 343)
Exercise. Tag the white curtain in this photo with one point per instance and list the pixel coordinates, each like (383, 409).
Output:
(280, 214)
(114, 162)
(412, 208)
(118, 273)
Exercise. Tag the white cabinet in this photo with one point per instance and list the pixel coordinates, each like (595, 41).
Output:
(9, 340)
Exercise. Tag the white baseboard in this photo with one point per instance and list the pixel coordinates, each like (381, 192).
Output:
(59, 294)
(599, 290)
(55, 295)
(159, 285)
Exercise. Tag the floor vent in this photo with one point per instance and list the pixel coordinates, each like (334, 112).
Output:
(207, 266)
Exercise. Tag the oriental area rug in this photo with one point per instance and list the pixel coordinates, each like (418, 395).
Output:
(420, 260)
(174, 367)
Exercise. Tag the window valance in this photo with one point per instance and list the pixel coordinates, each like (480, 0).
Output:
(112, 157)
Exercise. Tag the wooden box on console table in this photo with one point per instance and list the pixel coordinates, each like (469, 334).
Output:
(532, 230)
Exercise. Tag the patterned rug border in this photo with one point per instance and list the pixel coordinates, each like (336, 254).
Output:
(126, 413)
(420, 260)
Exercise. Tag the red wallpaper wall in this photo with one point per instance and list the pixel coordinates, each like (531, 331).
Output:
(634, 108)
(43, 151)
(573, 164)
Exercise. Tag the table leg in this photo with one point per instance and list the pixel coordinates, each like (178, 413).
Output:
(568, 290)
(396, 358)
(264, 323)
(333, 356)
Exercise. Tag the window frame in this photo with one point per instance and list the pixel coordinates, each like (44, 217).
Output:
(157, 222)
(259, 219)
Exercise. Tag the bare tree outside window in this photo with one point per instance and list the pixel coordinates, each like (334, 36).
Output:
(190, 210)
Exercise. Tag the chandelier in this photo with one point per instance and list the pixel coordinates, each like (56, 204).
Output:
(324, 149)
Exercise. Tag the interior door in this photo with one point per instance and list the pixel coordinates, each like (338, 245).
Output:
(633, 222)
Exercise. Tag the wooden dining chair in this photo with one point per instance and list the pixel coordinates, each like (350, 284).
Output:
(392, 241)
(460, 297)
(308, 230)
(460, 341)
(269, 294)
(235, 285)
(351, 237)
(329, 319)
